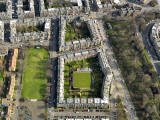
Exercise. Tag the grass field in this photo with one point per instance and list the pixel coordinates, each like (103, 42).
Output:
(34, 76)
(82, 79)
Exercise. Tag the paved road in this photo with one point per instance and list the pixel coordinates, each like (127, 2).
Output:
(53, 48)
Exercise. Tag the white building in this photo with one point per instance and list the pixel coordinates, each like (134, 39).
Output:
(1, 31)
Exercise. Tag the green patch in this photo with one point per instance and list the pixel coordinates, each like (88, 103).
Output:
(2, 7)
(76, 32)
(34, 75)
(82, 80)
(25, 29)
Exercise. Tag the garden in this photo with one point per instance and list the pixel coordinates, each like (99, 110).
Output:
(79, 83)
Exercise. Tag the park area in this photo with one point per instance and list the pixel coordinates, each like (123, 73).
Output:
(34, 78)
(136, 67)
(76, 31)
(82, 84)
(25, 29)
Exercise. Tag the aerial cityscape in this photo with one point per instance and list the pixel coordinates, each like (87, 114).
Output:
(79, 60)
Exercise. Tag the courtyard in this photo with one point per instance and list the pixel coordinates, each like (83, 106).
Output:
(25, 29)
(34, 78)
(25, 5)
(2, 7)
(58, 4)
(83, 78)
(76, 31)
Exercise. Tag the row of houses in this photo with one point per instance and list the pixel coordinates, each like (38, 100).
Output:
(82, 119)
(29, 36)
(108, 76)
(25, 13)
(9, 100)
(3, 50)
(50, 12)
(1, 31)
(78, 44)
(84, 102)
(79, 55)
(13, 61)
(7, 14)
(155, 38)
(64, 10)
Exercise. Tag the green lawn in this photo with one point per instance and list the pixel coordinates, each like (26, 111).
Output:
(82, 79)
(34, 76)
(57, 5)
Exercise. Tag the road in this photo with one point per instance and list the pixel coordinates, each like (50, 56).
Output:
(53, 48)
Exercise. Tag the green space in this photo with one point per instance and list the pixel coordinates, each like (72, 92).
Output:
(75, 82)
(2, 7)
(58, 4)
(24, 29)
(82, 80)
(76, 31)
(34, 77)
(136, 67)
